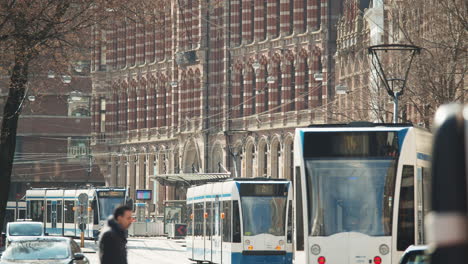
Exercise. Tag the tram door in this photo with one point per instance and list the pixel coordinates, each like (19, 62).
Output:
(54, 218)
(208, 231)
(216, 232)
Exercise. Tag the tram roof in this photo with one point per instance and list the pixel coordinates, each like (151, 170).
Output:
(190, 178)
(361, 124)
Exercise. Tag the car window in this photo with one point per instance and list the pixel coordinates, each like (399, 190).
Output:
(36, 250)
(416, 257)
(21, 229)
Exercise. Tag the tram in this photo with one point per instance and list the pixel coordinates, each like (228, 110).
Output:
(243, 220)
(56, 208)
(361, 192)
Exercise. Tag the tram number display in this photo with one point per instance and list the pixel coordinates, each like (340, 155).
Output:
(111, 194)
(247, 189)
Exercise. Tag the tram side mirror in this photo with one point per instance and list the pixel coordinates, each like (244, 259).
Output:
(129, 203)
(94, 204)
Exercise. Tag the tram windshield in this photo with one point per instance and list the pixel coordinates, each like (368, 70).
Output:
(108, 201)
(350, 195)
(264, 215)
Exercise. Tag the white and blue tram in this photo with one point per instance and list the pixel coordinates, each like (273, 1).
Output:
(361, 192)
(240, 221)
(57, 209)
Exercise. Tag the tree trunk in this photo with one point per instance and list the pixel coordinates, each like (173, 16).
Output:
(9, 127)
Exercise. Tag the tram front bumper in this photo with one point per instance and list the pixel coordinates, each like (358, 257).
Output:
(262, 257)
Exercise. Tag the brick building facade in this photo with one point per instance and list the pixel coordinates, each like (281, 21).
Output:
(210, 86)
(53, 133)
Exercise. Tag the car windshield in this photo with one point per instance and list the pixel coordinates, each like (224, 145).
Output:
(350, 195)
(24, 229)
(36, 250)
(264, 215)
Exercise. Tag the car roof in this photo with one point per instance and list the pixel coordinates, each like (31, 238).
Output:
(25, 223)
(417, 248)
(51, 239)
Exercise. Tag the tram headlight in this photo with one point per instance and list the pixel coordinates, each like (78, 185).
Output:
(384, 249)
(247, 242)
(281, 242)
(315, 249)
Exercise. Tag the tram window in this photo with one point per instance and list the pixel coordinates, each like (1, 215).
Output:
(59, 211)
(198, 219)
(95, 212)
(227, 221)
(236, 225)
(37, 211)
(189, 220)
(209, 219)
(289, 230)
(406, 209)
(299, 216)
(69, 212)
(49, 211)
(426, 194)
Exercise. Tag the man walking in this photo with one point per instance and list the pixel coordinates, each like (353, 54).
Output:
(113, 241)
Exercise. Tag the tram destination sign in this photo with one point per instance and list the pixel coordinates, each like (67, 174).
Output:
(272, 189)
(111, 194)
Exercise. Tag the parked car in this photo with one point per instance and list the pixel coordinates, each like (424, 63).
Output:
(43, 250)
(15, 230)
(415, 255)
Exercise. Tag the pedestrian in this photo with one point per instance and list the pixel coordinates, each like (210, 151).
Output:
(113, 241)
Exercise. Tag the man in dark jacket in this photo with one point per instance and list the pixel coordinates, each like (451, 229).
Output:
(113, 241)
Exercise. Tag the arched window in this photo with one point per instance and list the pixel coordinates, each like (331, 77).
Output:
(254, 91)
(293, 87)
(266, 89)
(278, 12)
(265, 20)
(240, 21)
(306, 84)
(279, 80)
(241, 94)
(252, 20)
(291, 17)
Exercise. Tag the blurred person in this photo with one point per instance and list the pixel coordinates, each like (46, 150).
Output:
(113, 239)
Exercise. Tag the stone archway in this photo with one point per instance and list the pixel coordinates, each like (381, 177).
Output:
(249, 159)
(288, 160)
(216, 158)
(275, 153)
(191, 158)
